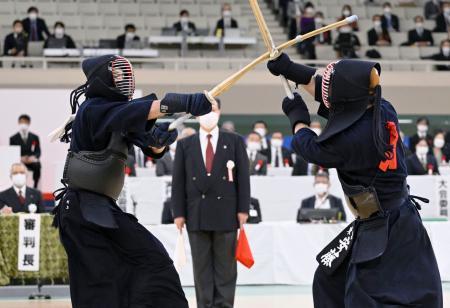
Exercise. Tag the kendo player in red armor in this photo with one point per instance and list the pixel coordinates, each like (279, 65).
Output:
(384, 258)
(114, 262)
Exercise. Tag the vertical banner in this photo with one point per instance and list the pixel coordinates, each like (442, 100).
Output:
(442, 196)
(29, 239)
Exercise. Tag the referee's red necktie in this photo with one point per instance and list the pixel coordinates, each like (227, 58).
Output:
(21, 198)
(209, 154)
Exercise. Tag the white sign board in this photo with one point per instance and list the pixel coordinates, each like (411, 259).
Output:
(29, 240)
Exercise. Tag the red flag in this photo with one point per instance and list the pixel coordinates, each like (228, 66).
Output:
(243, 251)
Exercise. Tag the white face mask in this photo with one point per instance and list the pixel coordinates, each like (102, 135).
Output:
(421, 128)
(226, 14)
(309, 11)
(377, 23)
(23, 127)
(261, 131)
(345, 30)
(387, 10)
(421, 150)
(346, 13)
(19, 179)
(318, 20)
(447, 10)
(439, 143)
(317, 130)
(276, 143)
(59, 32)
(173, 146)
(254, 146)
(184, 20)
(320, 188)
(419, 26)
(129, 35)
(446, 51)
(32, 16)
(209, 121)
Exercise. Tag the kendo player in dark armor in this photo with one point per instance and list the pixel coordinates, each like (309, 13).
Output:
(384, 258)
(114, 262)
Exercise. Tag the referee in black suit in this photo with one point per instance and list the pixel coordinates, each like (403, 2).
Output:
(30, 147)
(213, 201)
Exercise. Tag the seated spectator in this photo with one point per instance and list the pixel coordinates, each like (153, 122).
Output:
(422, 124)
(129, 39)
(16, 42)
(226, 21)
(261, 128)
(280, 156)
(307, 24)
(228, 126)
(184, 25)
(323, 38)
(419, 36)
(20, 198)
(346, 12)
(443, 55)
(347, 43)
(254, 212)
(443, 19)
(258, 161)
(322, 199)
(164, 165)
(440, 148)
(378, 36)
(186, 132)
(389, 21)
(34, 26)
(30, 148)
(423, 161)
(59, 39)
(431, 9)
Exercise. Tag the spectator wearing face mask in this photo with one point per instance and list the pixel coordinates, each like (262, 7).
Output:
(302, 167)
(419, 36)
(378, 36)
(30, 147)
(258, 161)
(164, 166)
(19, 198)
(226, 21)
(423, 161)
(184, 25)
(34, 26)
(280, 155)
(431, 9)
(59, 39)
(347, 43)
(307, 24)
(443, 19)
(389, 21)
(129, 38)
(347, 12)
(323, 38)
(228, 126)
(440, 148)
(322, 199)
(422, 125)
(261, 128)
(443, 55)
(16, 42)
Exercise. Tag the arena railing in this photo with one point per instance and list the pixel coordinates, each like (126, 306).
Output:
(180, 63)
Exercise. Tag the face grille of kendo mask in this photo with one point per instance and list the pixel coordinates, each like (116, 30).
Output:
(123, 76)
(326, 81)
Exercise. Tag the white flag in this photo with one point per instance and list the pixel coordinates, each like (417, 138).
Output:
(180, 258)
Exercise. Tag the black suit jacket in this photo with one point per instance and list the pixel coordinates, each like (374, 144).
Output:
(65, 42)
(261, 161)
(254, 206)
(177, 26)
(41, 28)
(415, 167)
(19, 43)
(210, 203)
(32, 146)
(413, 140)
(413, 37)
(10, 198)
(335, 202)
(394, 21)
(220, 25)
(373, 37)
(120, 40)
(441, 24)
(164, 165)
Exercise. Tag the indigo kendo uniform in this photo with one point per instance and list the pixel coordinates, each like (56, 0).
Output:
(384, 258)
(114, 262)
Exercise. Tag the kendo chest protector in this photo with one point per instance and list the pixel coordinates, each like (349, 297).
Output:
(102, 172)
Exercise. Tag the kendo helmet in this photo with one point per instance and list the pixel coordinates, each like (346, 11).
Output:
(109, 76)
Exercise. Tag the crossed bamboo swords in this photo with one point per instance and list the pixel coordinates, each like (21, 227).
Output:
(272, 53)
